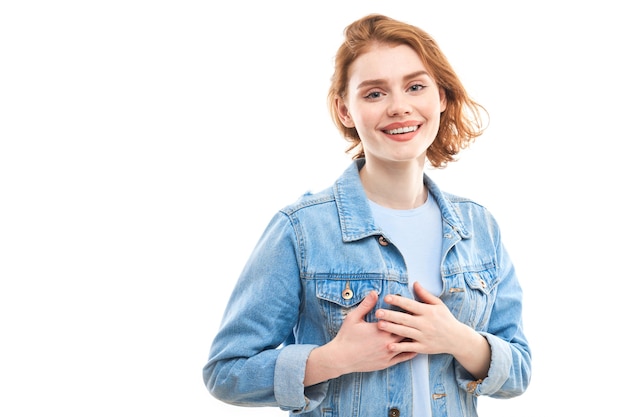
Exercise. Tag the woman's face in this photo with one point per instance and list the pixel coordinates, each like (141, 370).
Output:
(393, 103)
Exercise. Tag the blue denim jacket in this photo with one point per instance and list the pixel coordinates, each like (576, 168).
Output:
(288, 300)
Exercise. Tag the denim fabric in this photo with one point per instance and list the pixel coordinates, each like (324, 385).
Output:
(288, 300)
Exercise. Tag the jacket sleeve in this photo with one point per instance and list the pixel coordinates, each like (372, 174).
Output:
(252, 361)
(510, 368)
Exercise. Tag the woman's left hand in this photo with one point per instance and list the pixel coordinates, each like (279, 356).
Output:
(429, 327)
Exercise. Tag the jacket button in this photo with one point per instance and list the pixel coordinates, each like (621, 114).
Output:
(394, 412)
(382, 241)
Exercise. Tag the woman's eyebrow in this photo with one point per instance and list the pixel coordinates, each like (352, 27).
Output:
(416, 74)
(369, 83)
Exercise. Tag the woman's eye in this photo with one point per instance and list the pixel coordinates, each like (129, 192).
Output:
(373, 95)
(416, 87)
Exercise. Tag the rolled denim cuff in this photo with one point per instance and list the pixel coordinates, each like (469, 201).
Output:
(501, 360)
(289, 389)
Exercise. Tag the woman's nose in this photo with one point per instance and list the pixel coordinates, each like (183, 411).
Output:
(399, 106)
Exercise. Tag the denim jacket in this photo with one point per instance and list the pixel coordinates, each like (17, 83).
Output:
(288, 300)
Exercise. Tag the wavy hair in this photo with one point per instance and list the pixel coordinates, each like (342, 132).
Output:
(461, 122)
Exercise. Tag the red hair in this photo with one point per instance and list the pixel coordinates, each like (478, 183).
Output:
(461, 121)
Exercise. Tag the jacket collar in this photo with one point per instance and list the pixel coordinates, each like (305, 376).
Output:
(355, 216)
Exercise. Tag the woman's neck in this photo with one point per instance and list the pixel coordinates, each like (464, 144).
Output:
(397, 186)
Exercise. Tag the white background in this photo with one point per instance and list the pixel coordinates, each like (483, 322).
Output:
(144, 145)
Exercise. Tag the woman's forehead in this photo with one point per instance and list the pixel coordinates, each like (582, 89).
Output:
(384, 62)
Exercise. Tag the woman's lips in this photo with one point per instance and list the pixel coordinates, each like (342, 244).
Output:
(402, 133)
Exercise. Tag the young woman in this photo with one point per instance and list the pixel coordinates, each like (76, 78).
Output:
(382, 295)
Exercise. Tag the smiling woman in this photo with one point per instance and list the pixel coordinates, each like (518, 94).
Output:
(436, 78)
(391, 92)
(382, 294)
(144, 145)
(386, 94)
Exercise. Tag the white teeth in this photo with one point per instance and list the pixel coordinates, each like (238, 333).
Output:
(401, 130)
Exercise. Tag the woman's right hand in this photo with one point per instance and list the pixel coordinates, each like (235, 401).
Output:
(358, 347)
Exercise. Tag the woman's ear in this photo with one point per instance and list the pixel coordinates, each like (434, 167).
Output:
(343, 113)
(443, 101)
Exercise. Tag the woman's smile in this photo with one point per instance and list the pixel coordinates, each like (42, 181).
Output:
(401, 132)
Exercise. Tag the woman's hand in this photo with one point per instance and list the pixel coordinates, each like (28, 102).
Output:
(359, 346)
(428, 326)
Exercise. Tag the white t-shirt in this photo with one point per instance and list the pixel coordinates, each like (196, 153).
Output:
(417, 233)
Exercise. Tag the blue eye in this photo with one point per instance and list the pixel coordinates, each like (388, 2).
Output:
(416, 87)
(373, 94)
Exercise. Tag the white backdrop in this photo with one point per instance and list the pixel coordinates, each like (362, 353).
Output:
(144, 145)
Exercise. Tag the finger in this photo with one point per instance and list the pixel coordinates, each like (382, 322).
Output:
(392, 316)
(400, 329)
(406, 348)
(368, 303)
(423, 295)
(405, 304)
(401, 357)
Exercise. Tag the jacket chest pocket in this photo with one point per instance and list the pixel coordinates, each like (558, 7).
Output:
(337, 297)
(470, 295)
